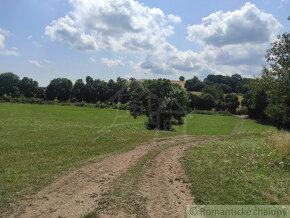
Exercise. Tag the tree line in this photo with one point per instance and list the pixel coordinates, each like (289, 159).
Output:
(228, 84)
(62, 89)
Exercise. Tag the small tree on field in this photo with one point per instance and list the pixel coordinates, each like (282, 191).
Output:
(164, 103)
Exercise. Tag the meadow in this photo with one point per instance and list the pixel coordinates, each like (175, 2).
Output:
(39, 143)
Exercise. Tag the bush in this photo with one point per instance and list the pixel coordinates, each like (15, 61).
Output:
(221, 113)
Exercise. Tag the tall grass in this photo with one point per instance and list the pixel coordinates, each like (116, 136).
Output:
(280, 142)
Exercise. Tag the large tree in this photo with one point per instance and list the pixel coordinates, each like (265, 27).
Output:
(193, 84)
(9, 83)
(60, 89)
(28, 87)
(78, 90)
(164, 103)
(276, 80)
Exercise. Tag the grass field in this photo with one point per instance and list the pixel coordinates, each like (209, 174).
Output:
(38, 143)
(243, 170)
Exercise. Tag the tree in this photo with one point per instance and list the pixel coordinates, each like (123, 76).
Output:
(181, 78)
(193, 101)
(193, 84)
(40, 93)
(205, 102)
(28, 87)
(9, 83)
(256, 100)
(215, 90)
(122, 93)
(78, 90)
(276, 80)
(60, 89)
(165, 104)
(232, 102)
(90, 93)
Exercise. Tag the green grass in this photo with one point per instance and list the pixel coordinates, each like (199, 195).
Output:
(197, 124)
(242, 170)
(38, 143)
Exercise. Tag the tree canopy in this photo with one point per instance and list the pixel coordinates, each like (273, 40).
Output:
(164, 104)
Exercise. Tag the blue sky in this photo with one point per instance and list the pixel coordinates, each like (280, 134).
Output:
(144, 39)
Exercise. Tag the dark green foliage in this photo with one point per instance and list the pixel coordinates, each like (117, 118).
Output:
(78, 91)
(256, 101)
(28, 87)
(40, 93)
(161, 101)
(228, 84)
(269, 96)
(193, 84)
(181, 78)
(60, 89)
(203, 102)
(221, 113)
(278, 114)
(232, 102)
(215, 90)
(9, 84)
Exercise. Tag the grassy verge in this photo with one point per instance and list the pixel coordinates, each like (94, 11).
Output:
(242, 170)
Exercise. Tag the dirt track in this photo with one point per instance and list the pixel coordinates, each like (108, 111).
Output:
(76, 194)
(165, 184)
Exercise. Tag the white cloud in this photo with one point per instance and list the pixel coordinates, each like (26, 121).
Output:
(235, 38)
(92, 59)
(229, 40)
(3, 49)
(247, 25)
(112, 63)
(174, 19)
(2, 39)
(47, 61)
(64, 30)
(34, 62)
(123, 25)
(29, 37)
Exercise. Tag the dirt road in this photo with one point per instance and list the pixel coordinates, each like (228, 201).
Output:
(164, 185)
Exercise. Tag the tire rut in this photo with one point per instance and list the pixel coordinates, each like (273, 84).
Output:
(76, 194)
(166, 186)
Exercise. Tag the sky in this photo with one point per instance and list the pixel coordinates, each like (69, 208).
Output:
(106, 39)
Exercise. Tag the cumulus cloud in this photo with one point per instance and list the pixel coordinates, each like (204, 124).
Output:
(34, 62)
(65, 30)
(174, 19)
(247, 25)
(123, 25)
(112, 63)
(229, 39)
(238, 38)
(3, 49)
